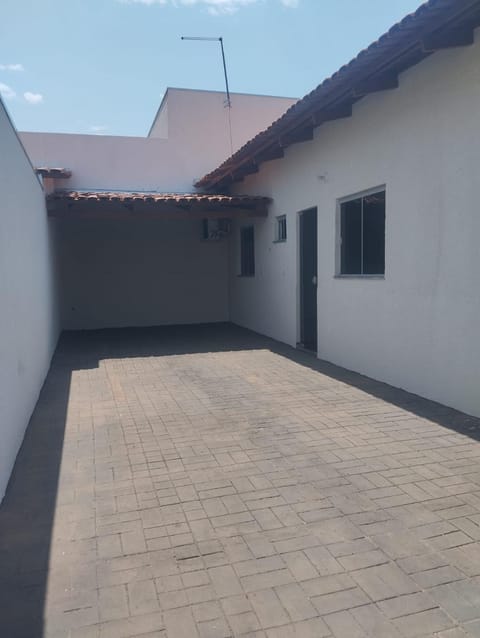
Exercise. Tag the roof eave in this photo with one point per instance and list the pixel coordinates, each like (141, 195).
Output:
(435, 25)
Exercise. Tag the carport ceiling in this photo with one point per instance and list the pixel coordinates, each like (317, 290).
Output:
(62, 203)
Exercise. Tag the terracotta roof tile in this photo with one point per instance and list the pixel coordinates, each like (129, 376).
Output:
(173, 198)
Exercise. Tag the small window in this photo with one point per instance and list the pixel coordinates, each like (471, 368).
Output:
(247, 252)
(362, 235)
(281, 229)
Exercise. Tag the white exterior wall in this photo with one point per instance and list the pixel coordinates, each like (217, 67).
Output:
(140, 272)
(418, 328)
(104, 162)
(198, 121)
(28, 325)
(189, 138)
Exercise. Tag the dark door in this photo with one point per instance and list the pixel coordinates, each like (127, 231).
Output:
(308, 279)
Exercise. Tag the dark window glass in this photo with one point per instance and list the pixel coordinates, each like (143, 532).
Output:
(362, 231)
(374, 234)
(247, 252)
(281, 228)
(351, 223)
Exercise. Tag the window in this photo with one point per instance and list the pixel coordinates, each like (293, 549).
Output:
(215, 229)
(281, 229)
(247, 252)
(362, 235)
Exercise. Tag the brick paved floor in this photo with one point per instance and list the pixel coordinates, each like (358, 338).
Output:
(208, 482)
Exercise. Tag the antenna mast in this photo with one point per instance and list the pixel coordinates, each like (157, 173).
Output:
(228, 102)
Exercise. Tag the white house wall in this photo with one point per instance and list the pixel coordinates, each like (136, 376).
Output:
(418, 328)
(104, 162)
(28, 323)
(198, 121)
(140, 272)
(189, 139)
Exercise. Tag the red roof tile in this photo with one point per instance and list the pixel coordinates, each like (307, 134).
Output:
(168, 198)
(117, 203)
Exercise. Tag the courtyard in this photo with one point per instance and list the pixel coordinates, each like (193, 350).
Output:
(208, 482)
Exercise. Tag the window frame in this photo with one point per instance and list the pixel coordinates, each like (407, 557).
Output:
(279, 221)
(338, 233)
(247, 272)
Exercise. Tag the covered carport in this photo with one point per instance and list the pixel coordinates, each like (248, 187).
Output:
(130, 259)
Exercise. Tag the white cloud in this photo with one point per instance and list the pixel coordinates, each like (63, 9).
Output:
(33, 98)
(11, 67)
(214, 7)
(7, 92)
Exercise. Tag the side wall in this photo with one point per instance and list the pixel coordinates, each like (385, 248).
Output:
(106, 162)
(140, 272)
(418, 327)
(199, 124)
(28, 325)
(190, 140)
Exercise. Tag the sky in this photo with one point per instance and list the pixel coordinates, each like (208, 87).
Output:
(102, 66)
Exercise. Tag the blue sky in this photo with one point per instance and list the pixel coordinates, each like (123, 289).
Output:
(102, 66)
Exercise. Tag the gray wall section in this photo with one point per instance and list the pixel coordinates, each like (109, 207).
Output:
(140, 272)
(28, 319)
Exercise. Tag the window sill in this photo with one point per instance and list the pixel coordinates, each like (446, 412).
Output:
(279, 241)
(246, 276)
(381, 277)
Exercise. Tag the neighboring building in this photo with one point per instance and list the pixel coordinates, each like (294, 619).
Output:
(189, 135)
(352, 233)
(151, 267)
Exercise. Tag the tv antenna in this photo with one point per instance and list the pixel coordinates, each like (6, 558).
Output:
(228, 101)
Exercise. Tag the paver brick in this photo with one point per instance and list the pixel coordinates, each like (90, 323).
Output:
(206, 611)
(236, 605)
(200, 594)
(342, 625)
(142, 597)
(363, 559)
(266, 580)
(328, 584)
(424, 623)
(437, 576)
(208, 482)
(112, 603)
(225, 581)
(340, 600)
(217, 628)
(296, 602)
(407, 604)
(323, 561)
(268, 608)
(374, 622)
(314, 628)
(180, 624)
(299, 565)
(384, 581)
(460, 599)
(260, 565)
(244, 623)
